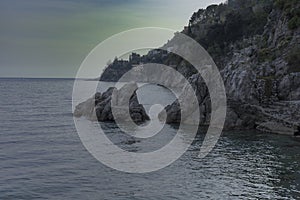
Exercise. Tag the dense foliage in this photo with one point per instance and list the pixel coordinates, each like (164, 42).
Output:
(220, 25)
(292, 10)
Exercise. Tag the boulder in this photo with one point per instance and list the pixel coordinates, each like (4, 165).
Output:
(99, 107)
(289, 87)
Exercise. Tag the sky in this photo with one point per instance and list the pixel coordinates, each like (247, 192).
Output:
(51, 38)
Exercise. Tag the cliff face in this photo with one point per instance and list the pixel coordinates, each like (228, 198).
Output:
(255, 44)
(265, 58)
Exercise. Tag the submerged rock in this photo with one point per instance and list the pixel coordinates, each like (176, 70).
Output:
(99, 107)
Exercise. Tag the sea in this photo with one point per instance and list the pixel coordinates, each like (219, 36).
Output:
(42, 156)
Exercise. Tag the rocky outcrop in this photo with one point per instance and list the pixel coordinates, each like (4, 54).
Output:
(99, 107)
(256, 46)
(174, 110)
(260, 68)
(289, 87)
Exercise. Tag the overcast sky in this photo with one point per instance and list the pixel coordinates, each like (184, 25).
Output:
(50, 38)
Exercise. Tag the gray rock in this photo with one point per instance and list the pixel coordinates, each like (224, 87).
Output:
(289, 87)
(277, 128)
(99, 107)
(86, 109)
(256, 77)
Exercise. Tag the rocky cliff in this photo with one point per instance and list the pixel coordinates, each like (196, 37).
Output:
(256, 46)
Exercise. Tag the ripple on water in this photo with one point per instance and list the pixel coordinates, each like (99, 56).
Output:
(42, 157)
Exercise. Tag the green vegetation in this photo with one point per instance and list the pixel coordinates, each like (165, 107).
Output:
(219, 26)
(292, 10)
(294, 22)
(284, 42)
(228, 23)
(280, 4)
(286, 5)
(268, 85)
(265, 55)
(293, 60)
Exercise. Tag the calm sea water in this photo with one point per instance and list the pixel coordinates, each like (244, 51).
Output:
(42, 157)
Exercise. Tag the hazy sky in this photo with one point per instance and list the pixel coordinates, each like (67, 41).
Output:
(50, 38)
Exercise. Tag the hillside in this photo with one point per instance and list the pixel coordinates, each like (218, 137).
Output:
(255, 44)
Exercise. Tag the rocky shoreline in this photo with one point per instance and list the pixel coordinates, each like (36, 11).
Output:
(261, 71)
(256, 46)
